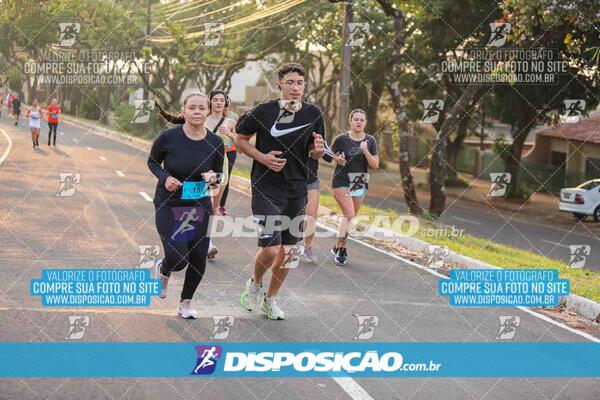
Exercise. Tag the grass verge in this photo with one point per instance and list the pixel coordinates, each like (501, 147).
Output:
(584, 282)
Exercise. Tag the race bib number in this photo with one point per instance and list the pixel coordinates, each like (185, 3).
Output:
(194, 190)
(54, 116)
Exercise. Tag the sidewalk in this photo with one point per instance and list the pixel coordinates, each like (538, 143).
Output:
(540, 207)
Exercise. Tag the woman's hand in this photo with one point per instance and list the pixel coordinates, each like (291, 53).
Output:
(340, 159)
(364, 147)
(226, 131)
(172, 184)
(212, 179)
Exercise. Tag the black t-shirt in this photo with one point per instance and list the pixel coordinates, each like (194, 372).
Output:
(174, 154)
(356, 162)
(16, 104)
(291, 133)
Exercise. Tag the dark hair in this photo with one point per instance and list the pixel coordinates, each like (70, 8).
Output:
(215, 92)
(290, 67)
(178, 119)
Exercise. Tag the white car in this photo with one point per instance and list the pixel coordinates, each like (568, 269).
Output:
(582, 200)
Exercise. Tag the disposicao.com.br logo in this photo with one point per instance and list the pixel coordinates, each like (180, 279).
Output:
(221, 362)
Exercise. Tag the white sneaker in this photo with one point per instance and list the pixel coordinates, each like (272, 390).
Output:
(251, 295)
(272, 309)
(186, 310)
(212, 251)
(164, 281)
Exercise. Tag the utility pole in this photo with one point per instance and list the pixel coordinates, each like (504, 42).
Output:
(344, 108)
(145, 95)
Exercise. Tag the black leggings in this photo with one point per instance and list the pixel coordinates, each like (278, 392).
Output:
(184, 247)
(231, 156)
(53, 127)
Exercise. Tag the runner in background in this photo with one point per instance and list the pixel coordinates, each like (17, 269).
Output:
(225, 128)
(9, 98)
(1, 102)
(231, 154)
(229, 113)
(312, 204)
(53, 111)
(35, 121)
(16, 107)
(355, 152)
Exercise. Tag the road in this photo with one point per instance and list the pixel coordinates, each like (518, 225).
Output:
(108, 217)
(482, 221)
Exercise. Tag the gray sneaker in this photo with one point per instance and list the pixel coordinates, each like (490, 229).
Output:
(212, 251)
(272, 309)
(186, 311)
(309, 255)
(251, 295)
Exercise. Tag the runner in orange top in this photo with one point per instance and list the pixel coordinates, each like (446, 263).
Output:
(53, 111)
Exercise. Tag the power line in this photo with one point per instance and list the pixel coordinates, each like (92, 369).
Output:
(244, 20)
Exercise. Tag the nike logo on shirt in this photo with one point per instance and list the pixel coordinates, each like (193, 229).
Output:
(280, 132)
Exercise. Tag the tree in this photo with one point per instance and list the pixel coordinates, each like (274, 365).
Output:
(394, 67)
(570, 27)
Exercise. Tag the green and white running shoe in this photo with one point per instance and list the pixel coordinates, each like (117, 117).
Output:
(251, 295)
(272, 309)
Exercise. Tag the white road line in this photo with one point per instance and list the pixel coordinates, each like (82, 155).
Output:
(120, 173)
(470, 221)
(145, 196)
(354, 390)
(414, 264)
(349, 385)
(76, 140)
(102, 158)
(554, 243)
(8, 148)
(88, 147)
(61, 133)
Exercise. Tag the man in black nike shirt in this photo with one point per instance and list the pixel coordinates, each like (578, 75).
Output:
(288, 132)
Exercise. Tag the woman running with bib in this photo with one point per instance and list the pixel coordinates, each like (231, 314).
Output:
(185, 159)
(223, 125)
(354, 153)
(35, 121)
(225, 128)
(53, 111)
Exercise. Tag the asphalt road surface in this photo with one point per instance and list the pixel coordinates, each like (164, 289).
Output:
(548, 238)
(109, 216)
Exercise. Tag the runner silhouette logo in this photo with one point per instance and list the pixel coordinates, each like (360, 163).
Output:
(431, 111)
(499, 31)
(574, 110)
(207, 359)
(186, 218)
(68, 33)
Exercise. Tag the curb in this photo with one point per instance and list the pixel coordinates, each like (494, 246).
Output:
(582, 306)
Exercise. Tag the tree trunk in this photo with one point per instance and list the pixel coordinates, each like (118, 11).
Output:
(524, 124)
(455, 145)
(438, 165)
(373, 106)
(393, 66)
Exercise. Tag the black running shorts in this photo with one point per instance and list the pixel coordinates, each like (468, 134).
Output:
(280, 219)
